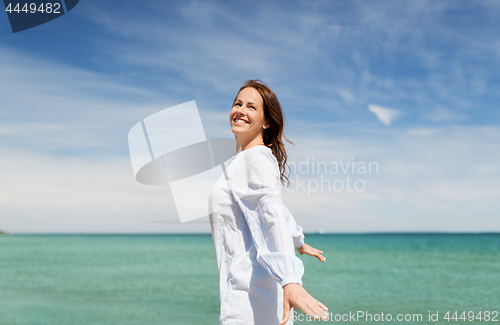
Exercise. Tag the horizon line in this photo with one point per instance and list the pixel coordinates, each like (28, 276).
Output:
(209, 234)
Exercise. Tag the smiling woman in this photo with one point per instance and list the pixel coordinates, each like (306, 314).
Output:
(257, 118)
(247, 122)
(253, 232)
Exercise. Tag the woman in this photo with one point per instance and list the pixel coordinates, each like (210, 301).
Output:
(254, 233)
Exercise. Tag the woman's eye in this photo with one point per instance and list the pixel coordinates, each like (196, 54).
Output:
(252, 107)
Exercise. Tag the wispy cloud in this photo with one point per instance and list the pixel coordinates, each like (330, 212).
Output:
(68, 110)
(440, 113)
(385, 115)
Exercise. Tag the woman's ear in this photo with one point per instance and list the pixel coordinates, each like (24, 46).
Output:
(266, 125)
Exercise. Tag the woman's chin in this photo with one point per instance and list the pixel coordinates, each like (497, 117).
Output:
(237, 130)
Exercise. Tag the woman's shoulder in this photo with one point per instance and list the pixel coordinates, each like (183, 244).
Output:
(259, 152)
(260, 158)
(258, 149)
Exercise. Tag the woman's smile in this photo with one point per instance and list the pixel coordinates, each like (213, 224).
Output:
(240, 121)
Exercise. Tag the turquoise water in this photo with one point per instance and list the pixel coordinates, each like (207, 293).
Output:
(172, 279)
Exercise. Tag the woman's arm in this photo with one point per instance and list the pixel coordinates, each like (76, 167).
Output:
(295, 229)
(254, 183)
(255, 187)
(298, 238)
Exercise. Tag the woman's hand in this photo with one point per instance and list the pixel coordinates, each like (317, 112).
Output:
(306, 249)
(296, 296)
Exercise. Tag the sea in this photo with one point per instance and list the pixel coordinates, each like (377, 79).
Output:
(391, 278)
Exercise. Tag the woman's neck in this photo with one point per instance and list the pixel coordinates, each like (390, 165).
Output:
(250, 144)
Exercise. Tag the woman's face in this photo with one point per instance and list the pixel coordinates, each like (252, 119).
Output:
(247, 115)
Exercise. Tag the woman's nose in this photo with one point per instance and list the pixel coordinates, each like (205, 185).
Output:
(240, 110)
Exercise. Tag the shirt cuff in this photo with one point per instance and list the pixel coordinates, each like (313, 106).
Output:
(291, 280)
(299, 242)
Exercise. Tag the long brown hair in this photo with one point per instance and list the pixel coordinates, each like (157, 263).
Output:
(273, 135)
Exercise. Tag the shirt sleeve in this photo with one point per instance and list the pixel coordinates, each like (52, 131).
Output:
(256, 188)
(295, 230)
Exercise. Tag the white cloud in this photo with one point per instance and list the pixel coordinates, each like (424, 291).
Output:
(440, 113)
(69, 109)
(385, 115)
(346, 95)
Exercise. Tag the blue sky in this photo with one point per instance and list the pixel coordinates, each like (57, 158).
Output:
(411, 85)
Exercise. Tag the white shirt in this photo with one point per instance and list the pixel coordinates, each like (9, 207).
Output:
(254, 236)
